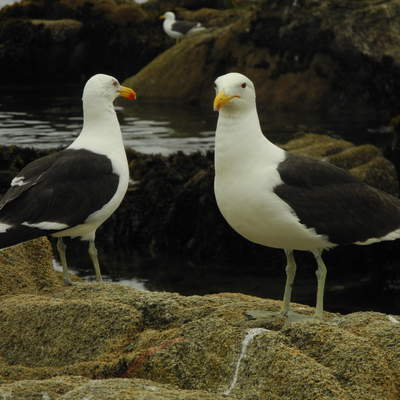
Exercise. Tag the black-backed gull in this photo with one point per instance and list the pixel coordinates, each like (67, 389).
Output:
(178, 29)
(282, 200)
(72, 192)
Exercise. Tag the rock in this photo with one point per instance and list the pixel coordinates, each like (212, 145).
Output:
(171, 208)
(12, 160)
(51, 389)
(60, 29)
(365, 162)
(78, 388)
(304, 55)
(197, 58)
(70, 41)
(190, 348)
(28, 268)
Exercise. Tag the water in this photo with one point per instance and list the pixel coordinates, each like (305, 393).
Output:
(51, 116)
(48, 117)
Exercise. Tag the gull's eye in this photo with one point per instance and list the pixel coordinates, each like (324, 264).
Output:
(243, 85)
(115, 83)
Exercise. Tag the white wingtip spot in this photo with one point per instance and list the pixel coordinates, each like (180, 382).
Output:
(390, 236)
(18, 181)
(4, 227)
(46, 225)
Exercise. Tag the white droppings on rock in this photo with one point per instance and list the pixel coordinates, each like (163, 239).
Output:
(251, 334)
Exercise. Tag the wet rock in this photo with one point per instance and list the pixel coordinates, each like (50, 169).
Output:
(302, 55)
(70, 41)
(12, 160)
(60, 29)
(171, 210)
(185, 345)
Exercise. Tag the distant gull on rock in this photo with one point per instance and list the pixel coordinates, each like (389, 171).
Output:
(282, 200)
(72, 192)
(179, 29)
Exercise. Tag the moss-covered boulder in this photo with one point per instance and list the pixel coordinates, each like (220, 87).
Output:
(197, 343)
(303, 55)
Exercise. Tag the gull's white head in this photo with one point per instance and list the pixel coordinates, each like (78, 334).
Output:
(105, 87)
(234, 92)
(169, 16)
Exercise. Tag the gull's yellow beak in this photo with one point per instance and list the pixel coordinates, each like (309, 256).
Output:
(162, 16)
(126, 92)
(221, 99)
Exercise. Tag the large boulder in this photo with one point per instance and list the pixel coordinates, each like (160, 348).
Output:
(197, 343)
(302, 55)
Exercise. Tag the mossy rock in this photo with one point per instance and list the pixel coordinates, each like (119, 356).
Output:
(37, 390)
(192, 345)
(78, 388)
(304, 56)
(28, 268)
(366, 162)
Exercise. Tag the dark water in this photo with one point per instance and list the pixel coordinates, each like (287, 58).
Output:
(51, 117)
(45, 117)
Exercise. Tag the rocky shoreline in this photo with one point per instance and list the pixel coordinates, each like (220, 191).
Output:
(107, 341)
(303, 55)
(170, 206)
(169, 213)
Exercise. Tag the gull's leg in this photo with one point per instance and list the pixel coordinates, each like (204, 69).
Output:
(290, 274)
(61, 251)
(95, 260)
(321, 276)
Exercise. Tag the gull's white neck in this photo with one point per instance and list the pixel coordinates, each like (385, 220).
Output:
(101, 132)
(240, 143)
